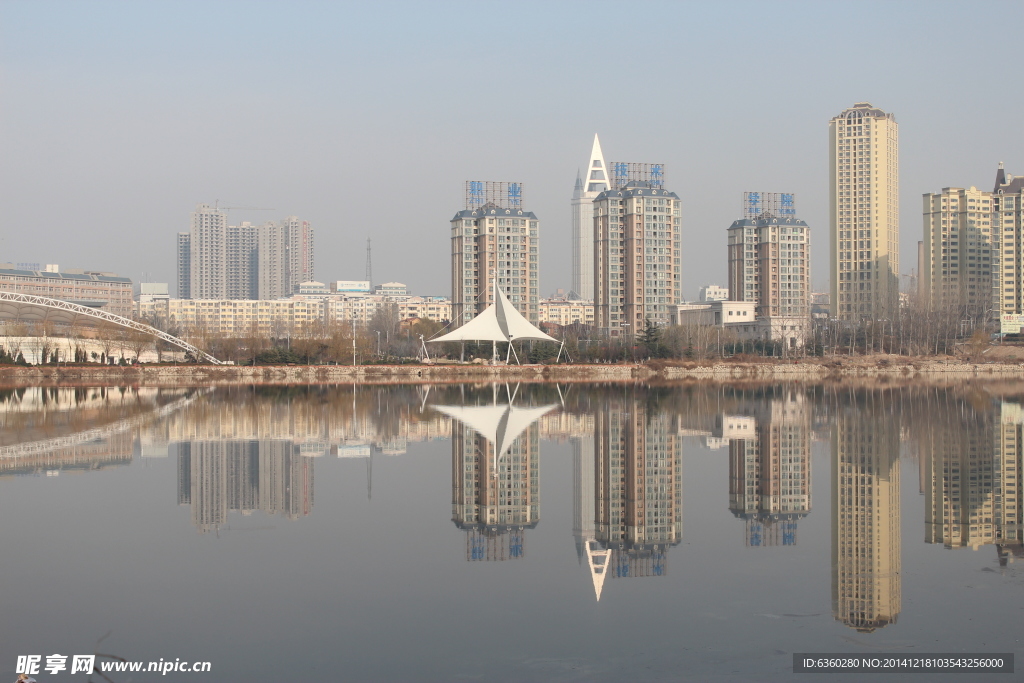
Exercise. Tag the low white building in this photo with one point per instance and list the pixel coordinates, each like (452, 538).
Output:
(739, 317)
(713, 293)
(391, 289)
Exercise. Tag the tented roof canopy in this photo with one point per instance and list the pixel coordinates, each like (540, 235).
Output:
(500, 322)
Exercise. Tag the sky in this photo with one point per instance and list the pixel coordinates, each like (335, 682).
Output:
(366, 119)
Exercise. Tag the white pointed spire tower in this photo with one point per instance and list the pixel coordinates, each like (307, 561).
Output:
(592, 183)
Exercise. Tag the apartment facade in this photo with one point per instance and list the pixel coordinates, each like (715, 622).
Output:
(1008, 236)
(107, 291)
(636, 257)
(284, 257)
(864, 213)
(492, 244)
(959, 250)
(282, 317)
(566, 312)
(207, 249)
(770, 265)
(245, 261)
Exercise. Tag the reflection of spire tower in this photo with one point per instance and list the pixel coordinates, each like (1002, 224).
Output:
(770, 475)
(866, 515)
(637, 487)
(584, 527)
(495, 499)
(583, 221)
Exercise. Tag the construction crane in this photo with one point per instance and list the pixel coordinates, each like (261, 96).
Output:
(218, 207)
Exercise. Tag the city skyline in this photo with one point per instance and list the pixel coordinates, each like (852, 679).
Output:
(351, 156)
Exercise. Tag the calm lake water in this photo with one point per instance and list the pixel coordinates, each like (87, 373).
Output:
(509, 533)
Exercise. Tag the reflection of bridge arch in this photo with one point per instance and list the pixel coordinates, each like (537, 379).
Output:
(27, 307)
(30, 448)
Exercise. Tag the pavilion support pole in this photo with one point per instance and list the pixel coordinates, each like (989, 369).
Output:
(560, 351)
(494, 352)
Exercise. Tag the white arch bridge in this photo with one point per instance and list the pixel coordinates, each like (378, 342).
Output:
(31, 308)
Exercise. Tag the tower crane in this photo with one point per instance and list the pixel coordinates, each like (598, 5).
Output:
(218, 207)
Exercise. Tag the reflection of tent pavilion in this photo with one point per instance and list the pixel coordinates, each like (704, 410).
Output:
(500, 322)
(494, 483)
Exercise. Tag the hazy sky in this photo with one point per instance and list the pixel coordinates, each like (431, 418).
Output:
(116, 119)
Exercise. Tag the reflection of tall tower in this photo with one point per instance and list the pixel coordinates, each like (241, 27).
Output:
(866, 515)
(584, 524)
(217, 477)
(637, 492)
(495, 499)
(770, 475)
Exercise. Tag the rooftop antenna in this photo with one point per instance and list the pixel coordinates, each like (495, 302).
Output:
(369, 263)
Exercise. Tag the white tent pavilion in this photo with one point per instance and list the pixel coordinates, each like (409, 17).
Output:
(500, 322)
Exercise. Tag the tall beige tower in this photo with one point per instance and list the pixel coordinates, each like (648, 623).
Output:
(864, 213)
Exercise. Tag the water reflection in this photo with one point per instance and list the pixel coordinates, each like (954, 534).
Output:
(495, 472)
(971, 470)
(866, 549)
(217, 477)
(770, 468)
(244, 450)
(628, 488)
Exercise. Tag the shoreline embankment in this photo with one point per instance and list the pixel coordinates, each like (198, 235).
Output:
(926, 370)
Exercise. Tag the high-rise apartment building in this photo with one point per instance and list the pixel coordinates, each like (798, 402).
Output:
(958, 251)
(583, 195)
(299, 241)
(636, 256)
(221, 261)
(240, 261)
(184, 265)
(494, 240)
(864, 208)
(208, 253)
(285, 257)
(1008, 236)
(770, 264)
